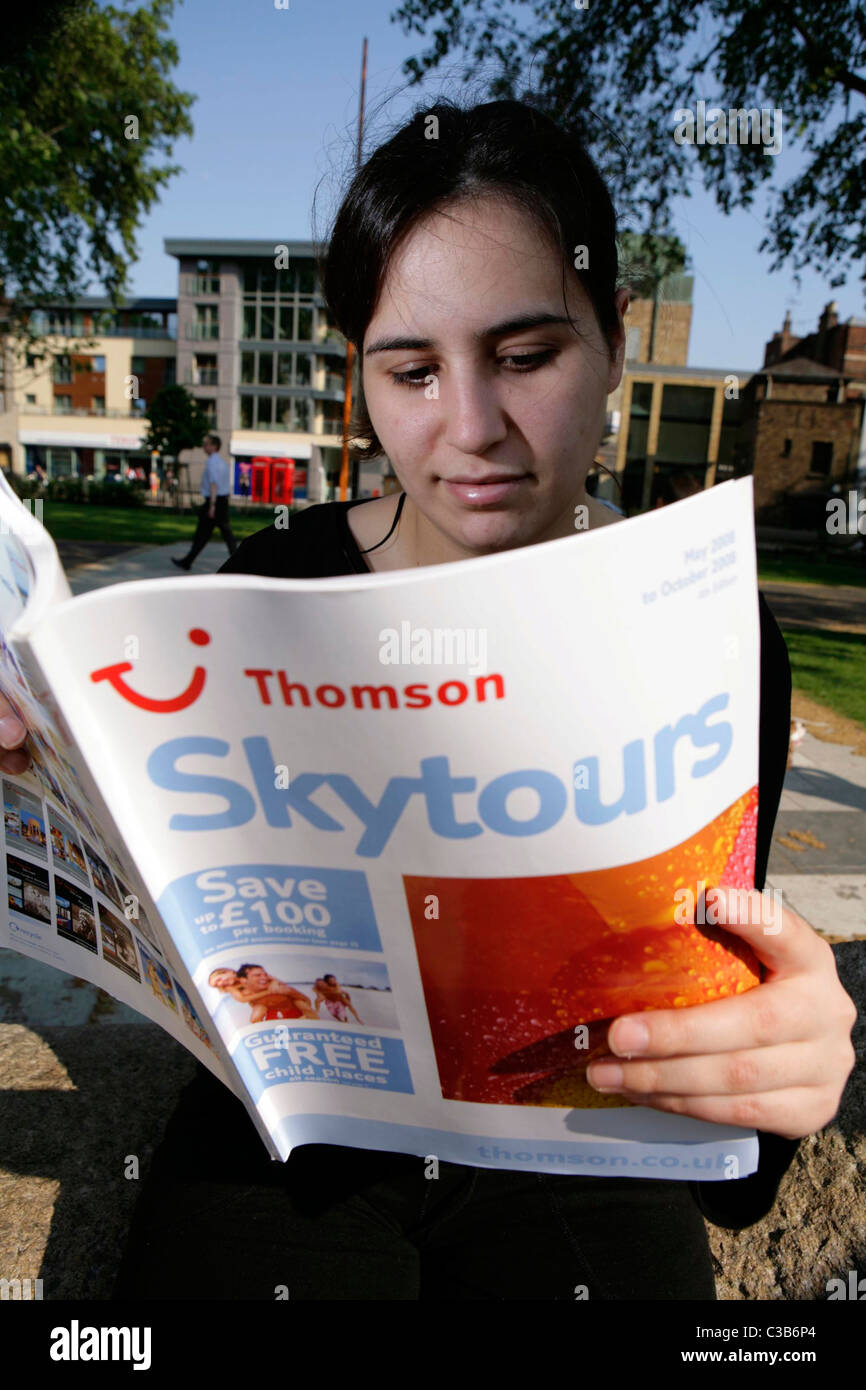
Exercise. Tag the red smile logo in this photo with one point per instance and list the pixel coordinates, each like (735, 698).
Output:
(114, 674)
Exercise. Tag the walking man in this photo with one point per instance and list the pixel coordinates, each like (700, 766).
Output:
(214, 510)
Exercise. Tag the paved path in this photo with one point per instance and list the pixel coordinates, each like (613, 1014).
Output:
(839, 608)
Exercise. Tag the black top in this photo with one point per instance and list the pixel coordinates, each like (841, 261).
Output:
(318, 544)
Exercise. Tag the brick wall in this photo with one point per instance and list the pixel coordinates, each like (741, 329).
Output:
(777, 476)
(673, 325)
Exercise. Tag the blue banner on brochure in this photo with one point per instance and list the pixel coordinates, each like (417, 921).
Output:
(274, 1056)
(269, 904)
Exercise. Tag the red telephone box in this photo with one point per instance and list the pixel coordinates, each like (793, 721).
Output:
(273, 480)
(282, 480)
(260, 487)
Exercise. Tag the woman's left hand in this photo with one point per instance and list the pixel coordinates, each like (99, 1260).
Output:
(774, 1059)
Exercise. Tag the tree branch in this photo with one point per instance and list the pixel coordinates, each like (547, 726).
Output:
(850, 80)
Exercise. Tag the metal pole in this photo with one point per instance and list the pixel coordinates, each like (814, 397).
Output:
(350, 347)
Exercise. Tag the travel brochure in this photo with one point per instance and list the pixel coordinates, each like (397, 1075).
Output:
(388, 853)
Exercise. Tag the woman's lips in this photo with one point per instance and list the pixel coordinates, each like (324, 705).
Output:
(481, 494)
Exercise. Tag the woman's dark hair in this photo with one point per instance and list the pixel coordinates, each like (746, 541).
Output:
(445, 153)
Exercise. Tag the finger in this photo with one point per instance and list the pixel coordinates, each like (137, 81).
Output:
(16, 762)
(792, 1113)
(727, 1073)
(12, 731)
(780, 938)
(778, 1011)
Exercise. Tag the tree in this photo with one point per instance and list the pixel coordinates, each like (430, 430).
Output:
(89, 113)
(176, 422)
(618, 71)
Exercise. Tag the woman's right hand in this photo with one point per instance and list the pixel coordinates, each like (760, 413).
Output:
(13, 758)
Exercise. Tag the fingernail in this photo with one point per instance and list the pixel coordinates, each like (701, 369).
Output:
(604, 1075)
(628, 1036)
(11, 731)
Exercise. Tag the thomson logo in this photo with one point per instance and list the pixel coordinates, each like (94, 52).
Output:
(75, 1343)
(20, 1289)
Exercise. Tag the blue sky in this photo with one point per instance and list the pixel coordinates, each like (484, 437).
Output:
(276, 118)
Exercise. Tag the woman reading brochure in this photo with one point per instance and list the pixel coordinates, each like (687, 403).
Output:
(487, 358)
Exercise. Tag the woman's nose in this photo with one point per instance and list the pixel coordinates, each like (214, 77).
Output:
(474, 418)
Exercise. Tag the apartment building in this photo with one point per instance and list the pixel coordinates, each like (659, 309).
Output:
(257, 351)
(78, 405)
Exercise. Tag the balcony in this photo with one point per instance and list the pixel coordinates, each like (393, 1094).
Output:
(205, 376)
(81, 410)
(169, 331)
(203, 332)
(204, 284)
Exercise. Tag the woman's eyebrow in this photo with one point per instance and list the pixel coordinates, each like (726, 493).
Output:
(513, 325)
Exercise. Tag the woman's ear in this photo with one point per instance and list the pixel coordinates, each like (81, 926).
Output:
(622, 299)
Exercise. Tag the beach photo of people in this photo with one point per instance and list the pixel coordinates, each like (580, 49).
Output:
(305, 987)
(118, 943)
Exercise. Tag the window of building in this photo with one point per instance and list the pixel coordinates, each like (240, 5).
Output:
(285, 413)
(205, 369)
(206, 279)
(284, 368)
(30, 399)
(63, 369)
(302, 369)
(208, 408)
(786, 451)
(139, 366)
(62, 405)
(306, 277)
(30, 358)
(248, 330)
(265, 410)
(267, 279)
(61, 462)
(248, 368)
(65, 323)
(251, 278)
(822, 457)
(98, 405)
(247, 409)
(266, 369)
(287, 322)
(206, 322)
(305, 325)
(266, 322)
(97, 364)
(169, 371)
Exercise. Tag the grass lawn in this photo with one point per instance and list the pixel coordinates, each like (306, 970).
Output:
(830, 667)
(798, 569)
(68, 521)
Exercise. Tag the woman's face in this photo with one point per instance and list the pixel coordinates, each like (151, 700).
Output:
(527, 402)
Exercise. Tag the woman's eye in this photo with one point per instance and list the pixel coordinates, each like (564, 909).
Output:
(524, 362)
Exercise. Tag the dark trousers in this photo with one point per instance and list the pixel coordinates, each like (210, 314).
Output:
(218, 1219)
(206, 524)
